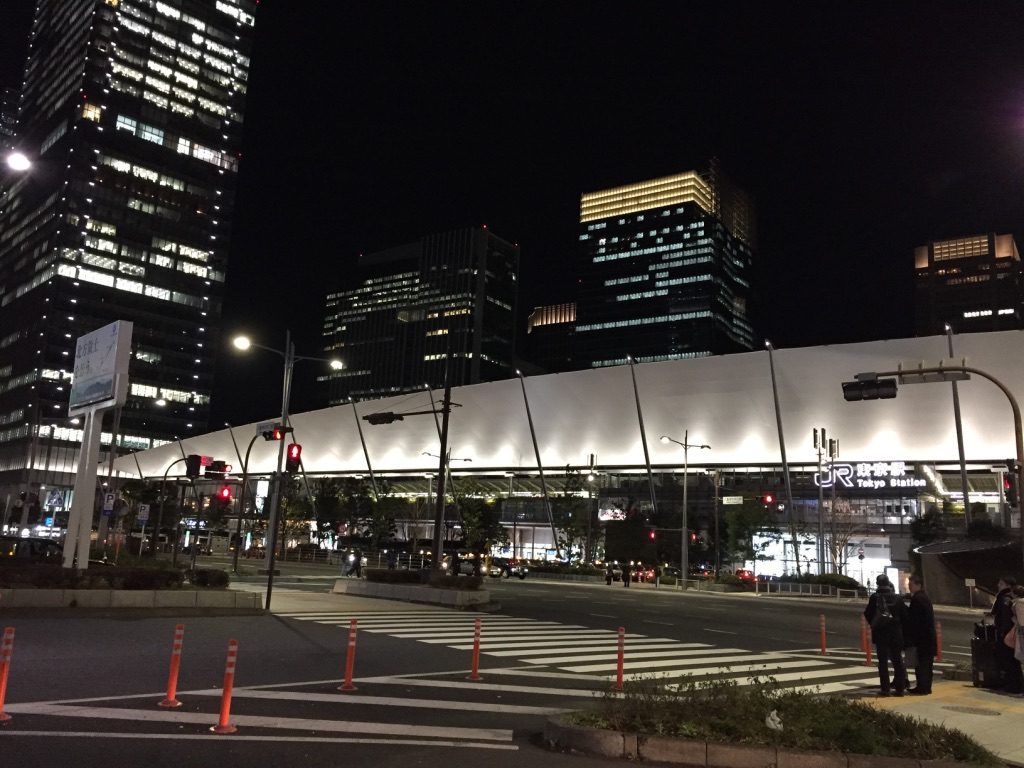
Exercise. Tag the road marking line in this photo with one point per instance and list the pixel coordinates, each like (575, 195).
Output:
(576, 641)
(498, 636)
(611, 646)
(720, 631)
(405, 702)
(605, 615)
(259, 721)
(276, 739)
(719, 653)
(718, 668)
(662, 623)
(483, 686)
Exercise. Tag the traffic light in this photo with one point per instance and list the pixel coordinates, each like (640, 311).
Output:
(652, 534)
(217, 469)
(193, 462)
(869, 389)
(383, 418)
(693, 537)
(293, 458)
(1010, 490)
(768, 499)
(277, 432)
(224, 494)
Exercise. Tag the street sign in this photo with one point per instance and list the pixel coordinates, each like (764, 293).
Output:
(108, 502)
(143, 514)
(968, 582)
(732, 499)
(860, 551)
(55, 499)
(265, 426)
(48, 522)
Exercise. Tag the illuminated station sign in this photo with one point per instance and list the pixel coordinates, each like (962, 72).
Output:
(870, 476)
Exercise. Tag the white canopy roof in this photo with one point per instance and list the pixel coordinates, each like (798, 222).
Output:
(725, 402)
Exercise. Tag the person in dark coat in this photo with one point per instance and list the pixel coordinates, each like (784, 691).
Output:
(920, 635)
(609, 574)
(626, 574)
(888, 636)
(1002, 617)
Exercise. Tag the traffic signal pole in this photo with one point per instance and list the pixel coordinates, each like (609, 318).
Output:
(940, 373)
(275, 501)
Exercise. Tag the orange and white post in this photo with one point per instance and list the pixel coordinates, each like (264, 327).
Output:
(938, 641)
(350, 658)
(6, 648)
(475, 672)
(865, 641)
(172, 676)
(224, 725)
(821, 628)
(621, 659)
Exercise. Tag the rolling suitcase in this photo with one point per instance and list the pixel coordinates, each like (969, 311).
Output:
(985, 669)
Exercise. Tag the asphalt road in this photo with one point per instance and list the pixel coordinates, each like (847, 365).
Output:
(84, 688)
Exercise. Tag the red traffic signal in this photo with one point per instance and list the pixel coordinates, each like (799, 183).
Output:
(652, 534)
(769, 499)
(1010, 491)
(693, 537)
(224, 494)
(293, 458)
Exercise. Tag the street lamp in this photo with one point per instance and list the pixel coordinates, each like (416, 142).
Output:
(288, 355)
(684, 566)
(17, 161)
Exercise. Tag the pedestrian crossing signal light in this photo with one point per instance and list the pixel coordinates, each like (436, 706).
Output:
(1010, 490)
(193, 462)
(293, 458)
(224, 494)
(693, 537)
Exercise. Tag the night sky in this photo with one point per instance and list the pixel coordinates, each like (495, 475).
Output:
(861, 130)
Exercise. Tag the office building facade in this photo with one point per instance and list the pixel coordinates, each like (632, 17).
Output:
(132, 112)
(666, 270)
(972, 283)
(446, 301)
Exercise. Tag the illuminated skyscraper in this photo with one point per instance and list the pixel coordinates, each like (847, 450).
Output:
(666, 270)
(450, 296)
(131, 111)
(972, 283)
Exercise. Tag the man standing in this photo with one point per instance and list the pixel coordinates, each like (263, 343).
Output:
(886, 614)
(921, 636)
(1002, 617)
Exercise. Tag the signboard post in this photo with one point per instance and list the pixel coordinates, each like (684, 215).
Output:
(142, 517)
(100, 382)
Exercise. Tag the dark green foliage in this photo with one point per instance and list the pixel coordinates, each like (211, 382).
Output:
(721, 711)
(982, 527)
(428, 577)
(46, 576)
(213, 578)
(836, 580)
(389, 576)
(928, 527)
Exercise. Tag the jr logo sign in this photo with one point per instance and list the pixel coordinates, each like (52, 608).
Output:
(869, 475)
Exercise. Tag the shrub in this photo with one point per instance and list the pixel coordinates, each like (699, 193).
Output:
(392, 576)
(721, 711)
(213, 578)
(447, 581)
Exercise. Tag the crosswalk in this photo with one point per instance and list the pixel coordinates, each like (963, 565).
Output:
(569, 649)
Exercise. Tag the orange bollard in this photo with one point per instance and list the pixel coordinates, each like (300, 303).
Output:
(821, 627)
(475, 673)
(621, 660)
(350, 658)
(938, 641)
(224, 726)
(6, 647)
(172, 676)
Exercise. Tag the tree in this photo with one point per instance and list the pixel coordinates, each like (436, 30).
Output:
(744, 522)
(843, 527)
(481, 517)
(928, 527)
(571, 513)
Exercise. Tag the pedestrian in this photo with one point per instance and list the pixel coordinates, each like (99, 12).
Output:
(1003, 617)
(392, 559)
(886, 614)
(1018, 624)
(357, 564)
(625, 574)
(920, 637)
(609, 574)
(657, 577)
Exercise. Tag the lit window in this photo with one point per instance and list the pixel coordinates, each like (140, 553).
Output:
(91, 112)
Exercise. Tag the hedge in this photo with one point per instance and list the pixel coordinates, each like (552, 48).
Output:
(47, 576)
(429, 577)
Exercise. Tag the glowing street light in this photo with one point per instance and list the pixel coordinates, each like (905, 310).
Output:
(684, 565)
(17, 161)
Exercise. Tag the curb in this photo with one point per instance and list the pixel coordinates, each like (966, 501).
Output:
(696, 753)
(415, 593)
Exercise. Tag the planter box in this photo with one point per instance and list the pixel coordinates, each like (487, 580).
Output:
(223, 599)
(414, 593)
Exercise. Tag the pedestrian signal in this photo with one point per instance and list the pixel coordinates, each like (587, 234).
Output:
(293, 458)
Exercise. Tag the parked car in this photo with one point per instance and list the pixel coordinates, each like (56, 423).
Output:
(503, 566)
(31, 550)
(747, 577)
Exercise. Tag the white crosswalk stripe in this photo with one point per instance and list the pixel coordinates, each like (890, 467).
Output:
(578, 650)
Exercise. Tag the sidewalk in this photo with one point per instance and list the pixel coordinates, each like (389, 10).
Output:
(994, 719)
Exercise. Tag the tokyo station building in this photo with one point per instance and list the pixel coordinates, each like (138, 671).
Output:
(897, 458)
